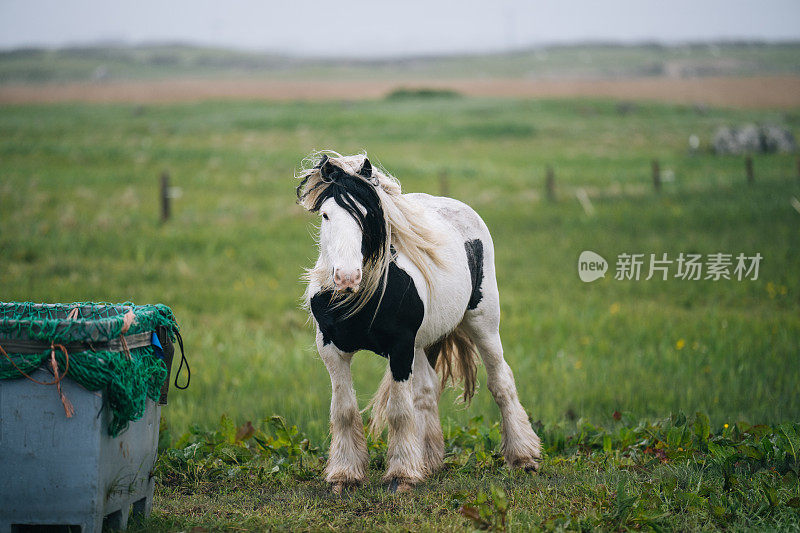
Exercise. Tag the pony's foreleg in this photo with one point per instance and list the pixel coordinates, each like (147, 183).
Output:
(521, 446)
(404, 453)
(426, 402)
(348, 458)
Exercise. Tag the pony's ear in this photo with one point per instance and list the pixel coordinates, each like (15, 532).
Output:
(326, 168)
(366, 169)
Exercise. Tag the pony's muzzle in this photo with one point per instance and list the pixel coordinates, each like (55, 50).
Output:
(346, 279)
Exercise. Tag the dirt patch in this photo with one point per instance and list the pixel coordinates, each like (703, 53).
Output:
(757, 92)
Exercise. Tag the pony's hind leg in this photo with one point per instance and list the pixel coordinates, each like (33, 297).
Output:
(521, 446)
(426, 401)
(348, 458)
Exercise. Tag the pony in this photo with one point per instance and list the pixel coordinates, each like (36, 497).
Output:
(410, 277)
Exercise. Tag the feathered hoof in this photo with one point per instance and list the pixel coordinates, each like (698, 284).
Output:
(531, 468)
(399, 486)
(340, 487)
(529, 463)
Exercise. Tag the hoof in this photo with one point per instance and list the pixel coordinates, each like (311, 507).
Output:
(529, 465)
(399, 486)
(340, 487)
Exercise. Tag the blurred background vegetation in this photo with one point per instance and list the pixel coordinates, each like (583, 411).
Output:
(115, 61)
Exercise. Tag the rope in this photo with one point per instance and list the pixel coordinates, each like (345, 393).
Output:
(55, 381)
(69, 410)
(125, 349)
(127, 320)
(183, 360)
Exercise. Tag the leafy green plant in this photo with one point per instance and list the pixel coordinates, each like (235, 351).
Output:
(230, 452)
(487, 511)
(473, 447)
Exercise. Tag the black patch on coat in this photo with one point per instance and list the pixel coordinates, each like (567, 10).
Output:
(349, 192)
(391, 333)
(475, 261)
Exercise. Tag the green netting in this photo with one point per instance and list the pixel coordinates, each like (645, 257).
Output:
(126, 382)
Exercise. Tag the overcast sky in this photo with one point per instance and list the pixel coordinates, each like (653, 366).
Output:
(379, 28)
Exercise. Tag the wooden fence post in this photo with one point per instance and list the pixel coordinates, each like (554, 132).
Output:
(165, 211)
(656, 175)
(748, 168)
(798, 168)
(550, 184)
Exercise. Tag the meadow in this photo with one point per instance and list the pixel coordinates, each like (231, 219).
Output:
(79, 221)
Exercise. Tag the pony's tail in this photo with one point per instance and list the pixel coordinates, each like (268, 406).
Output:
(455, 359)
(378, 404)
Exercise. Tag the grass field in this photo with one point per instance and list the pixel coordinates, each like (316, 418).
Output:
(79, 221)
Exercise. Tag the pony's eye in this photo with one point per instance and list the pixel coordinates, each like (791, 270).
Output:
(324, 216)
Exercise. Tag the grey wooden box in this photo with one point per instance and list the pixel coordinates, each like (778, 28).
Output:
(59, 471)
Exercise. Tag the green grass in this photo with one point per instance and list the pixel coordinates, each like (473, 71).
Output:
(79, 221)
(669, 474)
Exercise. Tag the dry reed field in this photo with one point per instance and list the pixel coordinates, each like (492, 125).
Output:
(760, 92)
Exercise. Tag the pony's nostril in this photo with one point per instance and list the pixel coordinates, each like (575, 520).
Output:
(337, 277)
(357, 277)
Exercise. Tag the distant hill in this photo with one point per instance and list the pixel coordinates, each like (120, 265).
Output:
(589, 60)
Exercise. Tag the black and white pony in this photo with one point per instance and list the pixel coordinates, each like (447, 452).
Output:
(410, 277)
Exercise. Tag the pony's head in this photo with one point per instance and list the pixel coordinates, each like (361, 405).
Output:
(363, 215)
(352, 233)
